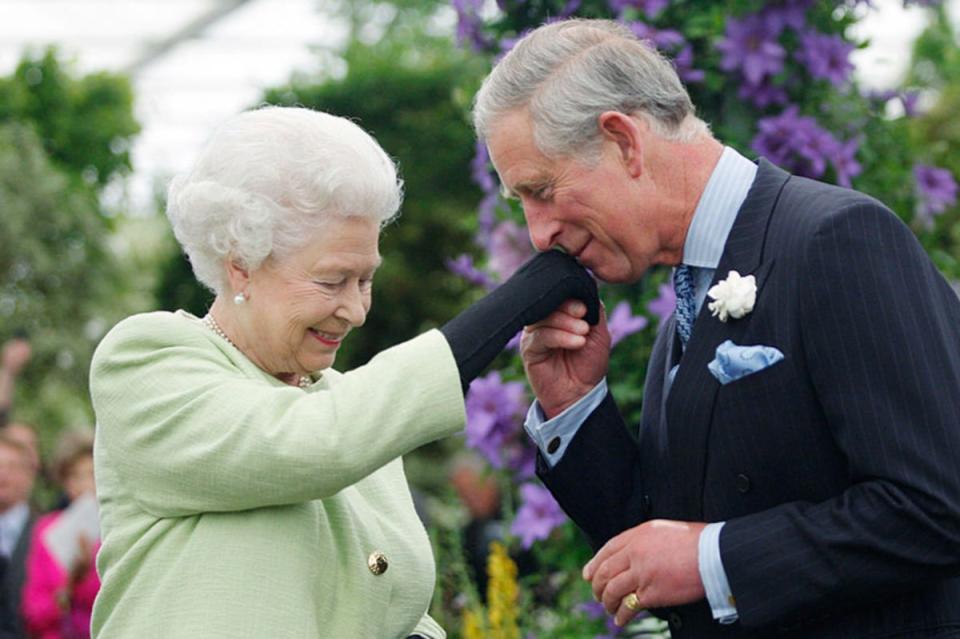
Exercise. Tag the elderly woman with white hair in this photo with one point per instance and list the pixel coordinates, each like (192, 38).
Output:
(247, 489)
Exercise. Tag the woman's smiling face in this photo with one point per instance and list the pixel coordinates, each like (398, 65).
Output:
(301, 307)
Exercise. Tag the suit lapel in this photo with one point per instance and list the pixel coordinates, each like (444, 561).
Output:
(689, 405)
(651, 432)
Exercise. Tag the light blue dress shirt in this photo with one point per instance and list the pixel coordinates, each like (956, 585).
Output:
(713, 218)
(11, 526)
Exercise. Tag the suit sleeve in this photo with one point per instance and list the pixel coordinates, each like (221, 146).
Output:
(592, 481)
(881, 335)
(193, 435)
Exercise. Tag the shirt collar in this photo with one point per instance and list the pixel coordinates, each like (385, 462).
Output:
(15, 517)
(717, 209)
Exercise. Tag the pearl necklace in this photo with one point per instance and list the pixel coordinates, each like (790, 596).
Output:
(304, 380)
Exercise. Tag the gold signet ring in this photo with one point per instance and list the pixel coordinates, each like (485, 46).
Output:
(632, 602)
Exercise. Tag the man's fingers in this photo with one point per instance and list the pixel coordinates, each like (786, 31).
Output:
(576, 308)
(542, 341)
(610, 548)
(563, 321)
(618, 586)
(624, 612)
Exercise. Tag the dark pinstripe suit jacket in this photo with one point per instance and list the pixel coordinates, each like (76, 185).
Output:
(837, 470)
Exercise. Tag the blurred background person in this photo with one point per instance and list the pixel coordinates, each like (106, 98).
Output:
(479, 493)
(17, 474)
(13, 357)
(7, 628)
(61, 579)
(26, 435)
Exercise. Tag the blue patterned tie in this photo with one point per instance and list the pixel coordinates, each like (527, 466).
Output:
(686, 301)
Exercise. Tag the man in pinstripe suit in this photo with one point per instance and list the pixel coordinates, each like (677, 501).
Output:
(817, 494)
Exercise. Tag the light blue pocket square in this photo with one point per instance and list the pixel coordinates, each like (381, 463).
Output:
(733, 362)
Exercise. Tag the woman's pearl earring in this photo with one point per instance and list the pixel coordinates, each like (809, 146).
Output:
(240, 298)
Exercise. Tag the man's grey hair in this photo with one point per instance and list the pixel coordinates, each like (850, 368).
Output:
(268, 180)
(568, 73)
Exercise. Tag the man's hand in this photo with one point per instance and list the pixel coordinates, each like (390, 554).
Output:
(658, 560)
(16, 354)
(564, 357)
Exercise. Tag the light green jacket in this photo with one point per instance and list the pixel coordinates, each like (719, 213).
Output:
(233, 505)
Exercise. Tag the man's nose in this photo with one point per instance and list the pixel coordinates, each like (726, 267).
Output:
(544, 232)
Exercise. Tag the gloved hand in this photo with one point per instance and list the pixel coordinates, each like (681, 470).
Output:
(534, 291)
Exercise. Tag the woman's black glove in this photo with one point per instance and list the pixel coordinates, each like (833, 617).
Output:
(537, 289)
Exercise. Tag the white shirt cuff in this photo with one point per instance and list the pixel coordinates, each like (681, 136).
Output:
(714, 577)
(553, 436)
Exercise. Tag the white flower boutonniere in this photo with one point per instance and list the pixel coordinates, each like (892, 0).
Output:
(733, 297)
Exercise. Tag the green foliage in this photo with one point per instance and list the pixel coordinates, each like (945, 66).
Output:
(62, 138)
(85, 123)
(936, 67)
(53, 267)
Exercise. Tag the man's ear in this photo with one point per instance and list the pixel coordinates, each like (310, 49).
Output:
(238, 275)
(625, 131)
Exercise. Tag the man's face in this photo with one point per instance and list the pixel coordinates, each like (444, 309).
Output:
(592, 212)
(27, 437)
(16, 477)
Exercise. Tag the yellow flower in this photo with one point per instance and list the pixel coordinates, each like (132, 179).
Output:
(473, 624)
(502, 594)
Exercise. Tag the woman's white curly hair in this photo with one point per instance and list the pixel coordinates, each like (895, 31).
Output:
(268, 179)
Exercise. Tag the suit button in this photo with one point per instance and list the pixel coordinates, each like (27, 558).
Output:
(675, 621)
(743, 483)
(553, 445)
(377, 563)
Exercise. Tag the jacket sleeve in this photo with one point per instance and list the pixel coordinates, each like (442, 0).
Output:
(881, 335)
(429, 629)
(591, 482)
(193, 434)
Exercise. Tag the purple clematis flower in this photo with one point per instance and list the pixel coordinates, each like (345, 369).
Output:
(487, 217)
(660, 38)
(570, 8)
(470, 24)
(537, 516)
(684, 64)
(595, 610)
(910, 100)
(751, 46)
(521, 458)
(509, 247)
(764, 94)
(671, 43)
(495, 411)
(650, 8)
(463, 266)
(936, 191)
(798, 144)
(845, 162)
(825, 56)
(663, 305)
(787, 13)
(622, 323)
(480, 168)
